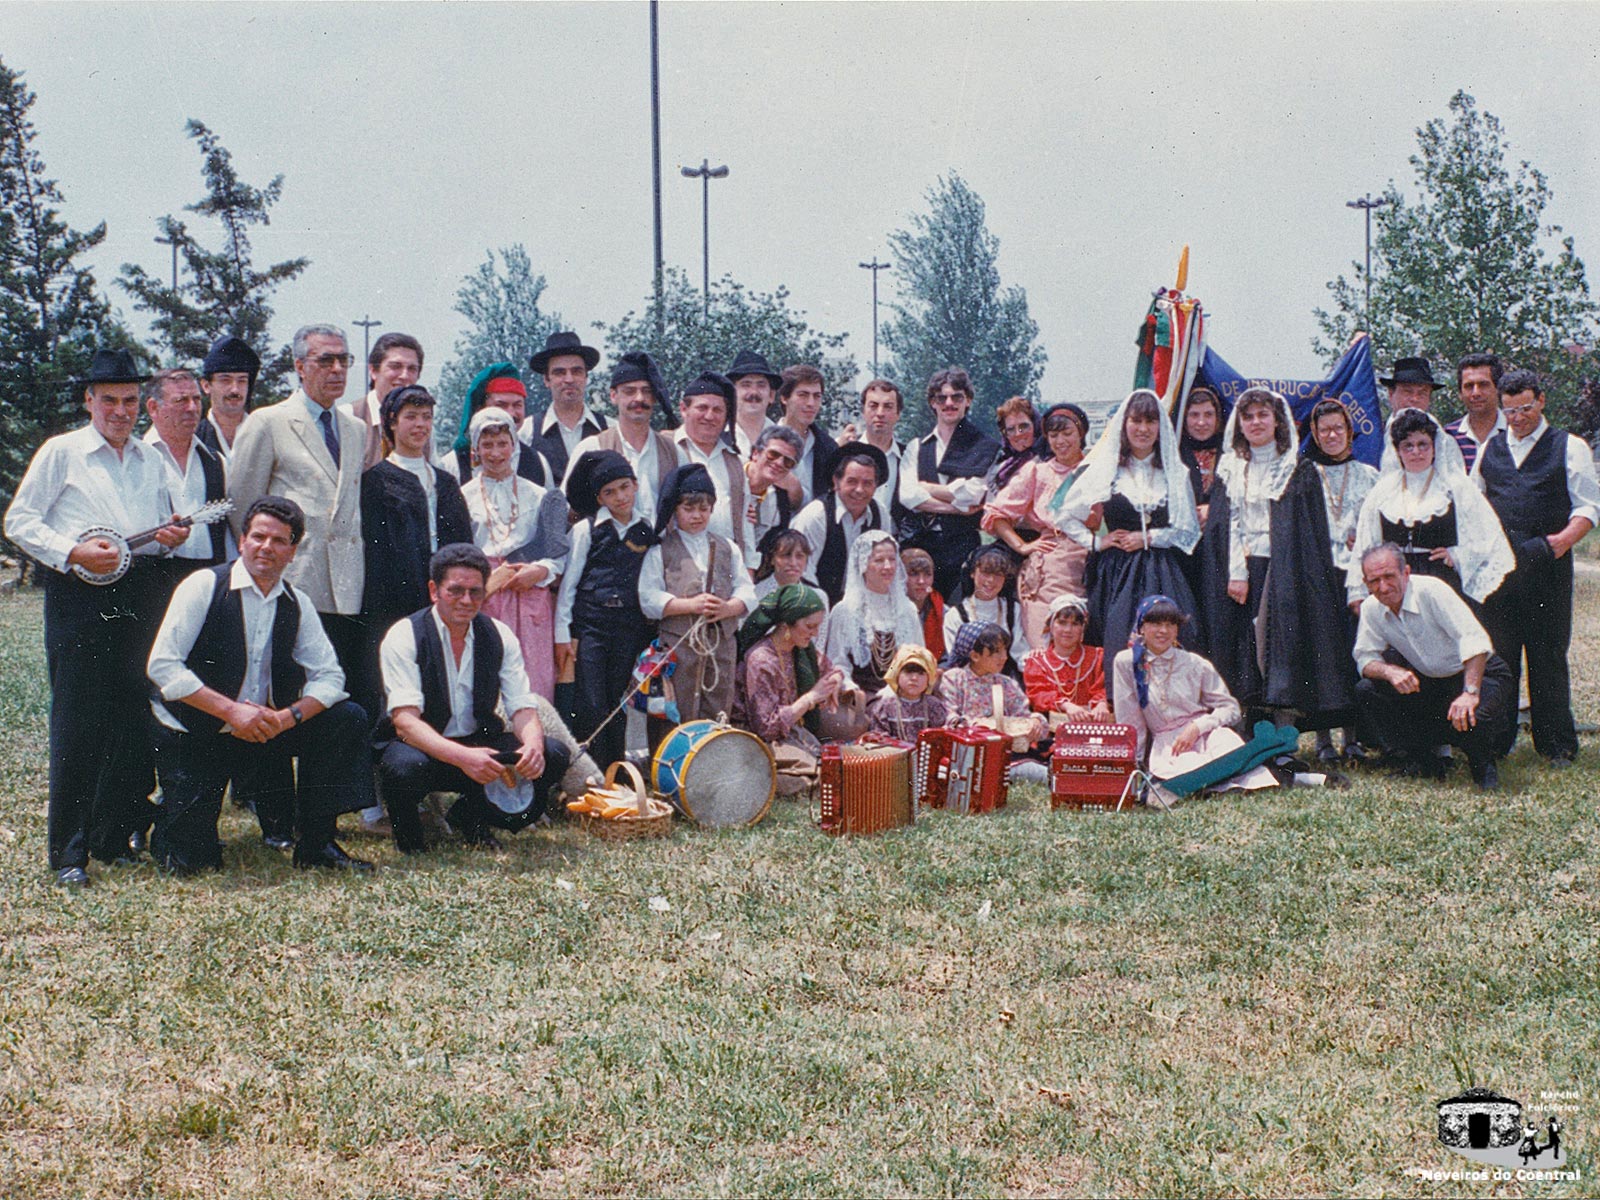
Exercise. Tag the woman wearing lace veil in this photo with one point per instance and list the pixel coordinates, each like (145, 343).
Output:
(1428, 506)
(875, 617)
(1135, 475)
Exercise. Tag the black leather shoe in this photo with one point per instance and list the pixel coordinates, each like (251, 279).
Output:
(72, 877)
(330, 856)
(1485, 775)
(1560, 762)
(1355, 752)
(481, 837)
(277, 841)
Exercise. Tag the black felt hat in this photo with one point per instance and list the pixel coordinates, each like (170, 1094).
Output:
(709, 383)
(114, 366)
(1411, 370)
(591, 473)
(231, 354)
(691, 479)
(749, 362)
(561, 343)
(880, 461)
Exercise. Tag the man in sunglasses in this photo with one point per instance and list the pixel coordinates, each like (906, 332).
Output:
(768, 507)
(310, 449)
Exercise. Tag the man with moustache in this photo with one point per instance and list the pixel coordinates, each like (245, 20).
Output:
(636, 388)
(705, 407)
(96, 637)
(754, 384)
(394, 361)
(309, 449)
(564, 364)
(1478, 384)
(227, 377)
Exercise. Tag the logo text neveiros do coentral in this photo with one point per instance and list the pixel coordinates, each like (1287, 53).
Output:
(1511, 1140)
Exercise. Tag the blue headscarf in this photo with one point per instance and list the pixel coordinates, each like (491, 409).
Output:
(1136, 640)
(967, 636)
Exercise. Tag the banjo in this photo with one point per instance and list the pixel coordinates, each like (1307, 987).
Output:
(207, 514)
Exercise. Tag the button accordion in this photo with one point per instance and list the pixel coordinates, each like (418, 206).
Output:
(1090, 765)
(963, 769)
(866, 788)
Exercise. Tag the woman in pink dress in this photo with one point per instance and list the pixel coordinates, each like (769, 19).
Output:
(1052, 563)
(522, 527)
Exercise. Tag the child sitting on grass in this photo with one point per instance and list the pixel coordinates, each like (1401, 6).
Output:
(906, 705)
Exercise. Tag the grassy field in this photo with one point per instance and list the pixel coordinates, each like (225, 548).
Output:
(1260, 996)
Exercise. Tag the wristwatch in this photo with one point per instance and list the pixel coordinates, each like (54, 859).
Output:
(1472, 689)
(294, 711)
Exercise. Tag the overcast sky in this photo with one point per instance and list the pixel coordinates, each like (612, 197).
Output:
(415, 137)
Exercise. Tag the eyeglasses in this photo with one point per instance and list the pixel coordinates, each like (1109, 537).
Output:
(1521, 410)
(328, 361)
(780, 458)
(457, 592)
(1018, 430)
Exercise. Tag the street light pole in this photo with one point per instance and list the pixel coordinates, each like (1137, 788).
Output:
(1367, 203)
(874, 266)
(172, 241)
(655, 152)
(705, 173)
(367, 326)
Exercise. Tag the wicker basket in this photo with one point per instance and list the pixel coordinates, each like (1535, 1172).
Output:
(650, 818)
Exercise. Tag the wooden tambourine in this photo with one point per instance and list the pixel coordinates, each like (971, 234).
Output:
(208, 514)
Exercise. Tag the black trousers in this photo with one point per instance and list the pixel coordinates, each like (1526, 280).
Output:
(1532, 614)
(604, 672)
(406, 775)
(97, 642)
(1415, 724)
(334, 776)
(355, 643)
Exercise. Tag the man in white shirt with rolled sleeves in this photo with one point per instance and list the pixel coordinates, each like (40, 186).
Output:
(1429, 674)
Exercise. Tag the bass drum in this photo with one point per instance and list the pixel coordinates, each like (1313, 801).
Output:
(715, 774)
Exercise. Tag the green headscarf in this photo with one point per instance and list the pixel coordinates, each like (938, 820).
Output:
(477, 390)
(784, 606)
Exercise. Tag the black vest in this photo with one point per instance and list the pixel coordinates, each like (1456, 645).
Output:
(1531, 501)
(487, 653)
(1435, 533)
(554, 447)
(831, 563)
(219, 653)
(608, 589)
(216, 489)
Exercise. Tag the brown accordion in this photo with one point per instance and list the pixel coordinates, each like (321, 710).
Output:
(865, 788)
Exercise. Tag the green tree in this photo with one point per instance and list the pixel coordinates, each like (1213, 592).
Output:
(219, 291)
(505, 323)
(1470, 264)
(693, 340)
(953, 310)
(51, 316)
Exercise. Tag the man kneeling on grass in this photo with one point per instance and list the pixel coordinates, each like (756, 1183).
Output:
(1428, 672)
(246, 680)
(446, 670)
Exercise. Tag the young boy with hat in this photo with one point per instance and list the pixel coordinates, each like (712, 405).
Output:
(598, 605)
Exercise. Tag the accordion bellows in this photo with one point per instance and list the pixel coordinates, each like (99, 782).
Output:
(866, 788)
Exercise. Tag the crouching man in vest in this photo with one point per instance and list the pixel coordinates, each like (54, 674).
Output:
(246, 679)
(446, 670)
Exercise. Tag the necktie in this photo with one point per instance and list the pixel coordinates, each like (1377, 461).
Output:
(328, 435)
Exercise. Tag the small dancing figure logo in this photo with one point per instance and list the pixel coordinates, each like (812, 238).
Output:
(1487, 1127)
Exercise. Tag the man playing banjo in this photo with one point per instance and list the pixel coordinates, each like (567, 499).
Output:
(97, 478)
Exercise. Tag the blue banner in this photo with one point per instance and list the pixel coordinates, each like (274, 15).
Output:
(1353, 383)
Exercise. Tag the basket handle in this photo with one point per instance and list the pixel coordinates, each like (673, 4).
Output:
(641, 794)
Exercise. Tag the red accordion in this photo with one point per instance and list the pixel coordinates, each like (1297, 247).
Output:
(1090, 765)
(866, 788)
(962, 769)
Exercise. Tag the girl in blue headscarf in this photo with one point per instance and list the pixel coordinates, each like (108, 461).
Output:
(1175, 700)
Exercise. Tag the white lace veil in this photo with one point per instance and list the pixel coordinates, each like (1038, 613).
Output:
(1231, 464)
(1483, 556)
(863, 612)
(1099, 473)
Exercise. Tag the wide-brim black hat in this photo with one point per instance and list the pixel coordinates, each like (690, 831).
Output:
(114, 366)
(1411, 370)
(749, 362)
(561, 343)
(880, 460)
(229, 353)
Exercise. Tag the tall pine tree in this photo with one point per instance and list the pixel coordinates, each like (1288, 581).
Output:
(219, 291)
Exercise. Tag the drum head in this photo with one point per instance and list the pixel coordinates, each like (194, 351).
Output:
(728, 779)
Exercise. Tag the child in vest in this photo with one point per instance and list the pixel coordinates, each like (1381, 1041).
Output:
(906, 705)
(692, 574)
(599, 623)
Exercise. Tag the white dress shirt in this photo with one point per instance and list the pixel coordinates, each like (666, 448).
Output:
(744, 443)
(761, 518)
(653, 594)
(224, 442)
(724, 520)
(402, 677)
(811, 522)
(1434, 630)
(1583, 487)
(885, 496)
(186, 487)
(912, 492)
(186, 613)
(643, 463)
(75, 482)
(570, 436)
